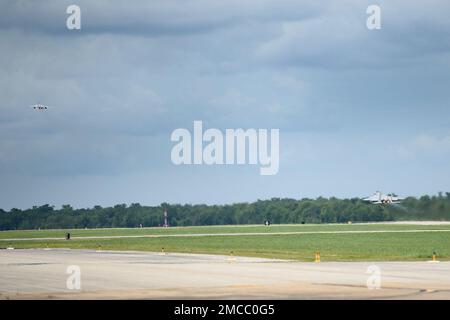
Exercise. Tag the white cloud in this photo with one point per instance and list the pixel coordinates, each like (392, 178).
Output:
(425, 146)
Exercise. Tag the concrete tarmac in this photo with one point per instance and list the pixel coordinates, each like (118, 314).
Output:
(42, 274)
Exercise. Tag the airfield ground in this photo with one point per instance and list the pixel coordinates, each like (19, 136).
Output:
(335, 242)
(230, 262)
(41, 274)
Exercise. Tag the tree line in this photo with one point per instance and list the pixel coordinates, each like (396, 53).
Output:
(276, 210)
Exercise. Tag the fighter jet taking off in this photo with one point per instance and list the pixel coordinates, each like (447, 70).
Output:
(379, 198)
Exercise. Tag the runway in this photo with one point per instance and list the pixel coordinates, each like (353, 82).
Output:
(42, 274)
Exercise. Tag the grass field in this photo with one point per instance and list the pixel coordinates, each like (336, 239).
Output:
(392, 242)
(60, 233)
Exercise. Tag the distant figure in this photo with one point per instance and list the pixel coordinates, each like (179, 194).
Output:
(68, 236)
(267, 223)
(140, 225)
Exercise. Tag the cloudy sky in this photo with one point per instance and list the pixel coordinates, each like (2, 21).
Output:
(358, 110)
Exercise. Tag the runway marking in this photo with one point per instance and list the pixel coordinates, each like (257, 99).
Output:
(229, 234)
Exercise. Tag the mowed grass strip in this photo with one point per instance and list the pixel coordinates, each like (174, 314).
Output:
(23, 234)
(333, 247)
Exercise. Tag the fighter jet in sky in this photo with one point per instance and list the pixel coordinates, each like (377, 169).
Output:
(40, 107)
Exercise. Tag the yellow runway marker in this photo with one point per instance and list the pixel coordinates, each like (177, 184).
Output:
(434, 258)
(317, 257)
